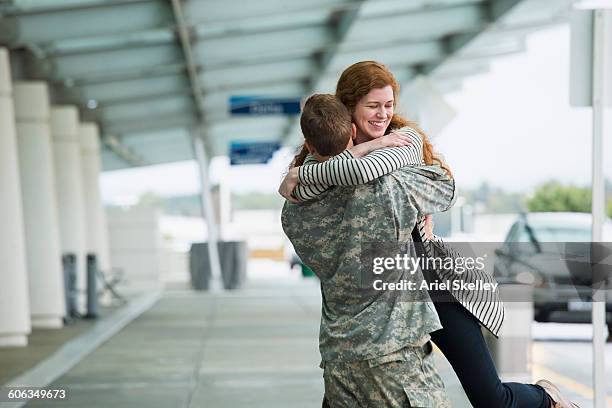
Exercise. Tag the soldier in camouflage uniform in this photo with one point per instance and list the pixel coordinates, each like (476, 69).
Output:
(374, 345)
(371, 356)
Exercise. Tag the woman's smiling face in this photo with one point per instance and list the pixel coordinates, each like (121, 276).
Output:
(373, 113)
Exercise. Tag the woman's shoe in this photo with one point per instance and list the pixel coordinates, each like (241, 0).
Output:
(559, 400)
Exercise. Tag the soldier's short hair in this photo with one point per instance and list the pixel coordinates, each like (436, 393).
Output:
(326, 124)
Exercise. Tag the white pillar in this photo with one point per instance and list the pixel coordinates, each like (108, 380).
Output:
(602, 62)
(44, 256)
(216, 280)
(221, 198)
(69, 193)
(14, 308)
(97, 229)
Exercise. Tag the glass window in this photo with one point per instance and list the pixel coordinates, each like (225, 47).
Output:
(512, 233)
(555, 234)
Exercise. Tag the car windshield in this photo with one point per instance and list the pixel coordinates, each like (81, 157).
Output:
(559, 234)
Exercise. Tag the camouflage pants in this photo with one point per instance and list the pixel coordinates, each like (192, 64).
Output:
(405, 378)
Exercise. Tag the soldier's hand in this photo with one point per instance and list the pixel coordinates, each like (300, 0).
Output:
(394, 139)
(288, 184)
(429, 225)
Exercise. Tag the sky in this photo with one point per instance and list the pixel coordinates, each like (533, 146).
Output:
(514, 128)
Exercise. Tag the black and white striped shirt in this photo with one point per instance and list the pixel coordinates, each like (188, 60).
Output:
(346, 170)
(486, 306)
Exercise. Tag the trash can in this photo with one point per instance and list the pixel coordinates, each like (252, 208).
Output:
(233, 257)
(69, 262)
(92, 291)
(199, 266)
(511, 352)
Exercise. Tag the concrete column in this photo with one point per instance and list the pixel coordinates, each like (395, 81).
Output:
(216, 283)
(14, 307)
(44, 257)
(222, 204)
(69, 188)
(97, 229)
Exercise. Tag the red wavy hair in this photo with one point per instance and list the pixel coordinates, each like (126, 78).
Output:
(359, 79)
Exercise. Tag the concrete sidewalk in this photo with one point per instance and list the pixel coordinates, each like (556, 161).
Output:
(254, 348)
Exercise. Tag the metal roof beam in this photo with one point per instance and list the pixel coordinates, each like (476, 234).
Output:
(424, 25)
(41, 28)
(151, 108)
(118, 60)
(498, 8)
(93, 104)
(40, 7)
(167, 153)
(170, 155)
(297, 42)
(259, 73)
(115, 92)
(124, 153)
(188, 55)
(454, 43)
(343, 22)
(258, 85)
(143, 98)
(178, 119)
(159, 143)
(108, 43)
(166, 35)
(257, 59)
(117, 76)
(394, 7)
(256, 25)
(427, 24)
(80, 24)
(248, 126)
(407, 54)
(162, 135)
(237, 11)
(110, 160)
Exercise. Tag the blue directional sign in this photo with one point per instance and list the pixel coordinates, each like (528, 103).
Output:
(252, 152)
(259, 105)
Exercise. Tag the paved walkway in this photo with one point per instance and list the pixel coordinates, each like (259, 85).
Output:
(255, 348)
(252, 348)
(42, 343)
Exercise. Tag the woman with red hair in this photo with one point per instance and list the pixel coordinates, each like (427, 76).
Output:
(370, 92)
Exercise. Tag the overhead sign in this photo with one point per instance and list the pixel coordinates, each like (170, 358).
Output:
(259, 105)
(252, 152)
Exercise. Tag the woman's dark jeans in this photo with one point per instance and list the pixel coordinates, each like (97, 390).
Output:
(464, 347)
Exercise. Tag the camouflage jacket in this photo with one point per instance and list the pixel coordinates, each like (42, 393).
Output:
(328, 235)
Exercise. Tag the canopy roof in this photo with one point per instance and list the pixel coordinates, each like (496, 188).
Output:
(152, 71)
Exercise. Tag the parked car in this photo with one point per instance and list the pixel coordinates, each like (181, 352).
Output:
(552, 251)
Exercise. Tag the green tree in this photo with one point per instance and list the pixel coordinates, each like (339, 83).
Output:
(490, 199)
(554, 197)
